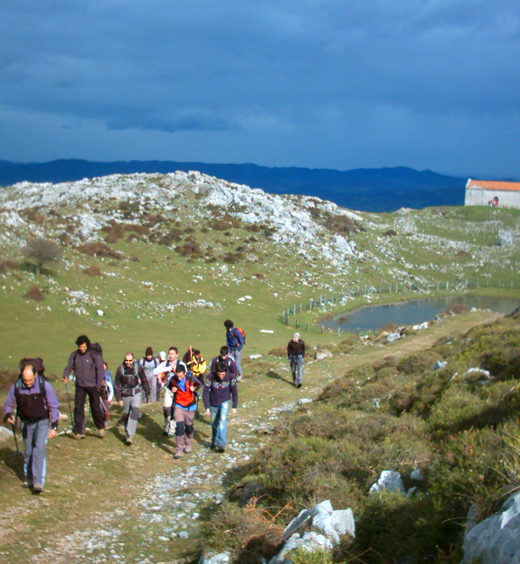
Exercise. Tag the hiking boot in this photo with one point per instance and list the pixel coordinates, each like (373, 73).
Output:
(37, 488)
(102, 433)
(299, 385)
(177, 456)
(27, 484)
(79, 436)
(187, 450)
(128, 441)
(221, 448)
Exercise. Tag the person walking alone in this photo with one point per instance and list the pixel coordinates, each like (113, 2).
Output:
(296, 354)
(35, 402)
(90, 375)
(129, 384)
(220, 389)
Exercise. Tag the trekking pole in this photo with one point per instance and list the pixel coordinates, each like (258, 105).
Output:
(68, 398)
(14, 433)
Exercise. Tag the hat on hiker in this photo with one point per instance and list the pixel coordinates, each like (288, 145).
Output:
(149, 351)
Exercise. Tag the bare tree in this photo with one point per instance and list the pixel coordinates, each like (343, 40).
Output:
(42, 251)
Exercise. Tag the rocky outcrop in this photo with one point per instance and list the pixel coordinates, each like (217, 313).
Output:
(329, 527)
(496, 540)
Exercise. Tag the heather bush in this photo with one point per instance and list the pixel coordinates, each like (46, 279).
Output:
(101, 250)
(34, 293)
(93, 271)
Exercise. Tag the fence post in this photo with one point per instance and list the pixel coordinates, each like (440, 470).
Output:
(307, 327)
(321, 327)
(339, 331)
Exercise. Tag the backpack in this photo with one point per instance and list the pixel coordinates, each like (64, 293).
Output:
(143, 360)
(242, 332)
(37, 364)
(136, 378)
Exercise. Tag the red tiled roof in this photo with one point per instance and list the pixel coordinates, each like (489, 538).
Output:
(493, 185)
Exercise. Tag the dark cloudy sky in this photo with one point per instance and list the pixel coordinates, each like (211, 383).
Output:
(430, 84)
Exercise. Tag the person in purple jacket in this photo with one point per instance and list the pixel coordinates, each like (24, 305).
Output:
(220, 389)
(90, 376)
(35, 402)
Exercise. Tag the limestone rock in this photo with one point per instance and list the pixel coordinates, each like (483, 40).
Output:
(496, 540)
(390, 481)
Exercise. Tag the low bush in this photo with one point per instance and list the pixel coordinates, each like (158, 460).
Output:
(7, 265)
(101, 250)
(35, 293)
(190, 250)
(93, 271)
(457, 308)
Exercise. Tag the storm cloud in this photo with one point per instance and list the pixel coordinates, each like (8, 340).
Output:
(426, 84)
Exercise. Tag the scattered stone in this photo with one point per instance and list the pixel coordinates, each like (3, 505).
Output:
(496, 540)
(303, 401)
(390, 481)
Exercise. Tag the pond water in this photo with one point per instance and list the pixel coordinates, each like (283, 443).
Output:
(412, 312)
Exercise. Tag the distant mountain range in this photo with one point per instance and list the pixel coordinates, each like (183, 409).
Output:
(377, 190)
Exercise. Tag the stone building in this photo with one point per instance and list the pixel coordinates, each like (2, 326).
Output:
(492, 193)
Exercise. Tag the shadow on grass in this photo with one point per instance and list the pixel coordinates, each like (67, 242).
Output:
(13, 460)
(275, 376)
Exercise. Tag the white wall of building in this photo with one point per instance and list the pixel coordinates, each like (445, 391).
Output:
(481, 197)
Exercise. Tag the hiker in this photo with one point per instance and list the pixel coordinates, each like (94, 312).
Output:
(184, 388)
(166, 370)
(197, 365)
(129, 383)
(226, 359)
(149, 364)
(32, 398)
(106, 391)
(296, 354)
(219, 389)
(161, 357)
(235, 342)
(90, 373)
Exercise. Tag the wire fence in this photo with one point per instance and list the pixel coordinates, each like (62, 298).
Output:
(290, 315)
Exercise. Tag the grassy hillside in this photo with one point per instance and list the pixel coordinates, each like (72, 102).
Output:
(457, 424)
(168, 258)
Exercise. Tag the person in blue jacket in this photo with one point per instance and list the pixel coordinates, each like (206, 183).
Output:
(235, 342)
(32, 399)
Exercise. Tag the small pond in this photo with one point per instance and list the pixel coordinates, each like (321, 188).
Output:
(412, 312)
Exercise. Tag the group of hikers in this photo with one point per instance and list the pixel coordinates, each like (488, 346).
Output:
(178, 381)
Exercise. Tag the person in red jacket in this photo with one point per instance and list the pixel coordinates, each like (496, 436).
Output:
(185, 406)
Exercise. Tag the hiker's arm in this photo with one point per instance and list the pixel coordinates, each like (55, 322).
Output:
(160, 369)
(144, 381)
(10, 406)
(100, 371)
(70, 367)
(53, 405)
(117, 386)
(234, 394)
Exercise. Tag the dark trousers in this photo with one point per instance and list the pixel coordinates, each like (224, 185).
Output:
(95, 408)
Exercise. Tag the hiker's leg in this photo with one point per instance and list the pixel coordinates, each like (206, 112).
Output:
(133, 414)
(215, 411)
(40, 436)
(220, 440)
(300, 368)
(179, 430)
(237, 353)
(189, 418)
(28, 430)
(95, 407)
(152, 380)
(80, 397)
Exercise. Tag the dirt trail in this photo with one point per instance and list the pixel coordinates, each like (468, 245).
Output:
(106, 502)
